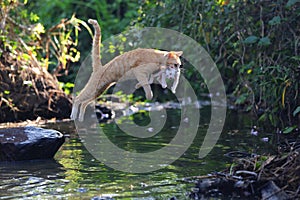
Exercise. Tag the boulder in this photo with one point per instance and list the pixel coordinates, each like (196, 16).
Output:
(29, 143)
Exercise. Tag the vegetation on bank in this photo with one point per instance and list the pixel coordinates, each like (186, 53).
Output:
(255, 44)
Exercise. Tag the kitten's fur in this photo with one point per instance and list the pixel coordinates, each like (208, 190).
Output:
(172, 72)
(138, 63)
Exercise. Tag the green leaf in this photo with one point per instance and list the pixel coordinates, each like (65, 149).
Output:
(290, 3)
(251, 39)
(67, 91)
(25, 56)
(6, 92)
(263, 117)
(296, 58)
(34, 17)
(241, 99)
(296, 111)
(39, 28)
(265, 41)
(69, 85)
(271, 118)
(288, 129)
(275, 21)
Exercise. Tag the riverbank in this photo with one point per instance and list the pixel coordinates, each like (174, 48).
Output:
(257, 177)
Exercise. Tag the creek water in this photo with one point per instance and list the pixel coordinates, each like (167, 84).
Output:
(75, 174)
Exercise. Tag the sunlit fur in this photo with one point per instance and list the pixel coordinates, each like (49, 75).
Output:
(138, 63)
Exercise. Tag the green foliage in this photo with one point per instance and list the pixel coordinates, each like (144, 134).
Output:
(296, 111)
(251, 39)
(67, 87)
(113, 17)
(255, 45)
(24, 37)
(289, 129)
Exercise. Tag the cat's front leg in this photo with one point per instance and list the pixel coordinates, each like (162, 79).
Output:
(148, 91)
(142, 75)
(138, 85)
(175, 83)
(151, 79)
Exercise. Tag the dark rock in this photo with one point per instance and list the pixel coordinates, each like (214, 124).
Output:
(29, 143)
(102, 198)
(272, 192)
(103, 113)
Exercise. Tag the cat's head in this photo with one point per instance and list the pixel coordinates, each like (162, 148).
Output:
(173, 59)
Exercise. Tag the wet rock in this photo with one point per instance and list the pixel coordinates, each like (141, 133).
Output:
(102, 198)
(221, 187)
(29, 143)
(272, 192)
(103, 113)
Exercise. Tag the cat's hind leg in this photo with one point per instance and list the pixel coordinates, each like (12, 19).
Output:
(79, 102)
(83, 106)
(75, 108)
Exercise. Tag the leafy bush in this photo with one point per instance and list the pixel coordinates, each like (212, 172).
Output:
(113, 17)
(27, 51)
(254, 43)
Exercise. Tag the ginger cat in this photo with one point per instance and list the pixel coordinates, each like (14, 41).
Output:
(138, 63)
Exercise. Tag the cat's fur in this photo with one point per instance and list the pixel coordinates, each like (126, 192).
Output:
(138, 63)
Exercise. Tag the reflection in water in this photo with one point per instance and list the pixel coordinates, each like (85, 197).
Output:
(75, 174)
(30, 178)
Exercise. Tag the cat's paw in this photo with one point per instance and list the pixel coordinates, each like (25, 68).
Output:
(149, 96)
(73, 113)
(81, 117)
(164, 85)
(173, 90)
(72, 117)
(92, 21)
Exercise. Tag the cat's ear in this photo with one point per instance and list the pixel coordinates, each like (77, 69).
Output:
(178, 53)
(173, 53)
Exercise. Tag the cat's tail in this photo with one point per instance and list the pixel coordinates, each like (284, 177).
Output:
(96, 45)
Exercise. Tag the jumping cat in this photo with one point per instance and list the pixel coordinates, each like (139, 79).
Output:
(138, 63)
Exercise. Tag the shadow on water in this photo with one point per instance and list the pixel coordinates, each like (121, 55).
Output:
(76, 174)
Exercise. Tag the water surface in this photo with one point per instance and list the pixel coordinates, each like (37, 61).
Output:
(75, 174)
